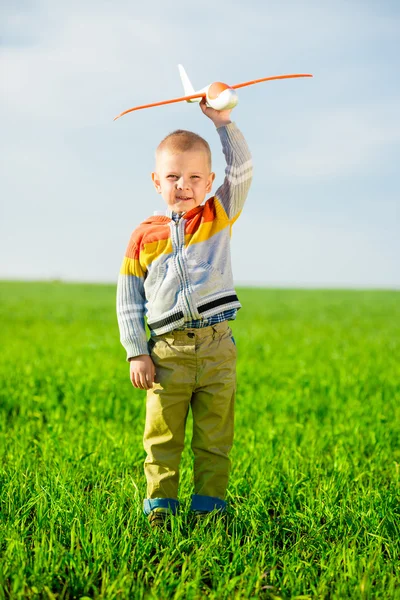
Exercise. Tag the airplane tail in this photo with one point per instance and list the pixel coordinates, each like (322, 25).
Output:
(187, 86)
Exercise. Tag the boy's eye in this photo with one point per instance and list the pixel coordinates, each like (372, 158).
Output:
(195, 177)
(171, 176)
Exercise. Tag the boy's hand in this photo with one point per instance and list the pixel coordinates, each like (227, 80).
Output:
(218, 117)
(142, 372)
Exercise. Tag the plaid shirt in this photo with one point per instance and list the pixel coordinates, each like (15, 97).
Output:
(226, 315)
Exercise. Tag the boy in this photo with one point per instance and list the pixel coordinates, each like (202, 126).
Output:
(177, 272)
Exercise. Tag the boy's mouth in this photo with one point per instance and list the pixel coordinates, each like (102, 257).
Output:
(183, 198)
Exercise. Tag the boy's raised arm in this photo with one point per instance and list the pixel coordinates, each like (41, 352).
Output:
(239, 167)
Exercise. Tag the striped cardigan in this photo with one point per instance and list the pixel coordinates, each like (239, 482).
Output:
(176, 272)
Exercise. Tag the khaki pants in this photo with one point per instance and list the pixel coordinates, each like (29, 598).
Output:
(196, 368)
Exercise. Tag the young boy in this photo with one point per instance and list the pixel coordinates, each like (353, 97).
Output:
(177, 273)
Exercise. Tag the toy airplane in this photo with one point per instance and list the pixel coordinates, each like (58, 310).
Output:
(218, 95)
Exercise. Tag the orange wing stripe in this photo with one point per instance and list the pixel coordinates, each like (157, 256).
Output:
(202, 95)
(240, 85)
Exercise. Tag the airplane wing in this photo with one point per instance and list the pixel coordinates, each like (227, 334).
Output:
(202, 94)
(198, 95)
(240, 85)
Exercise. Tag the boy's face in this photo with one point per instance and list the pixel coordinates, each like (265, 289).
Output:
(183, 179)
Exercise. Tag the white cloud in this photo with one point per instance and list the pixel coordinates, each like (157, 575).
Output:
(74, 75)
(337, 142)
(305, 254)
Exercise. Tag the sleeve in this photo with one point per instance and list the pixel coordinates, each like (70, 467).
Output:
(131, 301)
(238, 172)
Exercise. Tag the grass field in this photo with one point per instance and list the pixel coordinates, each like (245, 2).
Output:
(314, 492)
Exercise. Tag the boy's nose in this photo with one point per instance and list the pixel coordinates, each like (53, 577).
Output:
(181, 183)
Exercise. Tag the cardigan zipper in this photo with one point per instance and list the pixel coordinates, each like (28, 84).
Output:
(179, 243)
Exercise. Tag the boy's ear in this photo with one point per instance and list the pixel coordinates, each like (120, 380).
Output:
(156, 180)
(210, 181)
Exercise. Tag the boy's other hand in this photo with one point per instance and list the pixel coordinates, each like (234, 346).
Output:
(218, 117)
(142, 372)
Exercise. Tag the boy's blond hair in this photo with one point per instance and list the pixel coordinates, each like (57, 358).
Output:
(181, 141)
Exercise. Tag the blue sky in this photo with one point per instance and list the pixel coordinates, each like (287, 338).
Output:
(324, 205)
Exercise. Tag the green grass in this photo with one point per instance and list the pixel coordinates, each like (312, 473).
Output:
(314, 491)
